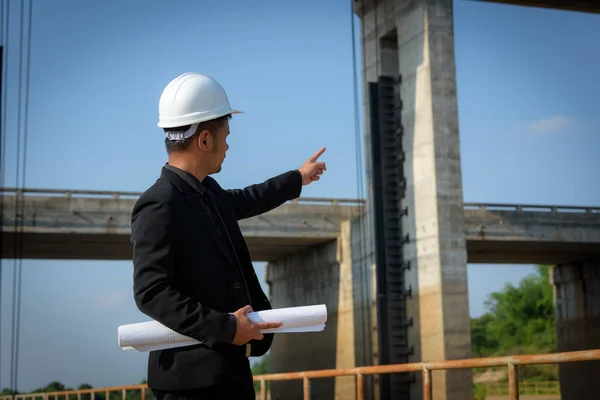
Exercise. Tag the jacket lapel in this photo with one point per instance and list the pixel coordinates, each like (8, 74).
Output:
(194, 201)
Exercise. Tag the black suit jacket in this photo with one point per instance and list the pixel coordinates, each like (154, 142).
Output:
(184, 280)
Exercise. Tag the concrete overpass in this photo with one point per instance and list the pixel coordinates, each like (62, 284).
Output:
(63, 224)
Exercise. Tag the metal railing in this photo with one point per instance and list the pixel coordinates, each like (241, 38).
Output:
(77, 394)
(531, 208)
(426, 368)
(511, 362)
(115, 195)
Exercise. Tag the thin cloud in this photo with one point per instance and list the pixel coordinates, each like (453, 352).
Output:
(554, 124)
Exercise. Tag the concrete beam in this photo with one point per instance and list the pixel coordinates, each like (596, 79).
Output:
(586, 6)
(81, 226)
(521, 234)
(97, 225)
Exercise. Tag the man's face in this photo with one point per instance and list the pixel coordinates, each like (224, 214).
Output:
(219, 147)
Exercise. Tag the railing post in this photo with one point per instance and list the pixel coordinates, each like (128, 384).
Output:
(263, 390)
(306, 387)
(513, 382)
(360, 386)
(427, 392)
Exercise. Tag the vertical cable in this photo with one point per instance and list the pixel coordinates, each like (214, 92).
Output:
(377, 42)
(22, 212)
(366, 270)
(19, 209)
(362, 248)
(16, 230)
(357, 135)
(2, 135)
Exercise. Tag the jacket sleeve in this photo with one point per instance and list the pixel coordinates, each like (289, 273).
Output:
(260, 198)
(155, 291)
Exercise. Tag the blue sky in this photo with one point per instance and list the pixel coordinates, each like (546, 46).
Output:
(528, 99)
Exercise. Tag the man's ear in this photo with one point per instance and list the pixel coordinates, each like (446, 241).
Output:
(204, 140)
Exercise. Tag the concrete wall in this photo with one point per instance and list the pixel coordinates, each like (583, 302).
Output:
(321, 275)
(423, 54)
(577, 311)
(339, 274)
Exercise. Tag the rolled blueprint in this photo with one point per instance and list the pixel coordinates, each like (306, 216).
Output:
(151, 335)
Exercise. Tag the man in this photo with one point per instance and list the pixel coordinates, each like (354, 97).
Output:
(192, 268)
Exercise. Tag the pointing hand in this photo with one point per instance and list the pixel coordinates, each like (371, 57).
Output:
(312, 169)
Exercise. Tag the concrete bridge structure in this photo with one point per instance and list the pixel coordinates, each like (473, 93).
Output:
(96, 225)
(317, 250)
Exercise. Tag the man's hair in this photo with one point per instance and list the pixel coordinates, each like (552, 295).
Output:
(174, 146)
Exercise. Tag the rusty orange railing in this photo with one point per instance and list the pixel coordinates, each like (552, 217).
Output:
(511, 362)
(77, 394)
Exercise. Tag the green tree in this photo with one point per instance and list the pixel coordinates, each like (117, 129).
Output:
(519, 320)
(84, 386)
(522, 318)
(482, 341)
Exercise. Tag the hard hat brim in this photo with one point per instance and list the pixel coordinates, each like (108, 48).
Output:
(195, 119)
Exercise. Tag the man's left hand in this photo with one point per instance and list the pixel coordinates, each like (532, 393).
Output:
(312, 170)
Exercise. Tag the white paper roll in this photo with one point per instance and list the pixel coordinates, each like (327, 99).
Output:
(151, 335)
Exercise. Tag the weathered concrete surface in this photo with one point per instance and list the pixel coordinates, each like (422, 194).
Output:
(320, 275)
(519, 234)
(588, 6)
(414, 40)
(88, 227)
(577, 311)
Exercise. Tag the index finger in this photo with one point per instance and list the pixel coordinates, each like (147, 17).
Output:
(268, 325)
(317, 154)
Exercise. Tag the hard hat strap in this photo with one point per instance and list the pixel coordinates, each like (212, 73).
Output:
(182, 135)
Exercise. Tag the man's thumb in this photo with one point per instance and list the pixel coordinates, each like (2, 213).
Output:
(247, 309)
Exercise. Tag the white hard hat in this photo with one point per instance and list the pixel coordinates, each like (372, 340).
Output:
(192, 98)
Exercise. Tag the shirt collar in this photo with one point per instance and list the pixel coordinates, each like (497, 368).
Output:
(188, 178)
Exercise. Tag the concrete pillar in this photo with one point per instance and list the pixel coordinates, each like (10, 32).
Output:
(415, 39)
(577, 312)
(321, 275)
